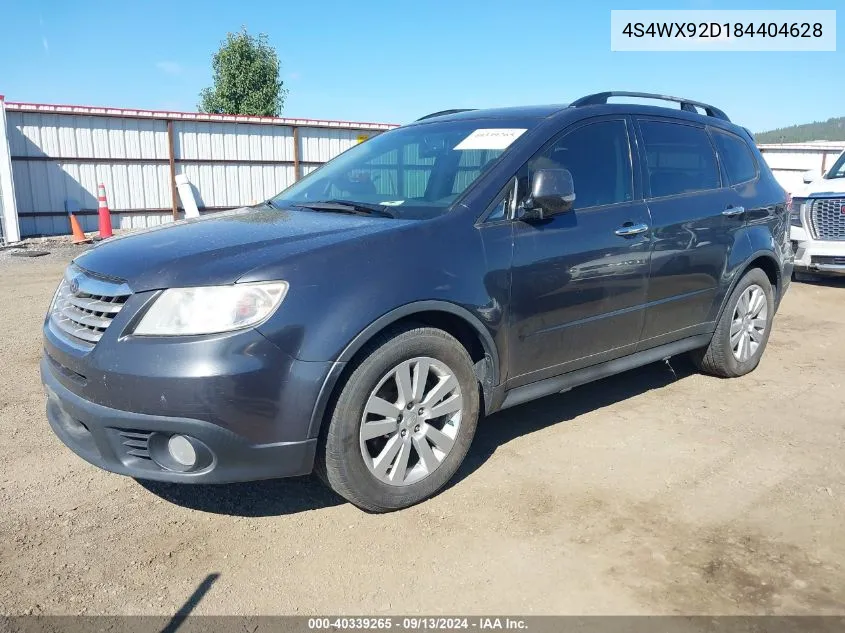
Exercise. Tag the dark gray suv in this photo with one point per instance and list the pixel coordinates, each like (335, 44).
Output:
(360, 322)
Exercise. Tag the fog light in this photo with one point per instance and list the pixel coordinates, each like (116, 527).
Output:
(181, 450)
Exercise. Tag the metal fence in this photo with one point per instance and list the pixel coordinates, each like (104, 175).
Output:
(52, 158)
(789, 161)
(59, 154)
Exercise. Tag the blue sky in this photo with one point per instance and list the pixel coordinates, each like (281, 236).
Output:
(395, 60)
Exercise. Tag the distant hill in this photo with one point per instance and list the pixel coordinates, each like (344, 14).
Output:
(830, 130)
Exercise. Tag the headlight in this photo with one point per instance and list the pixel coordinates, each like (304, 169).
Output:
(212, 309)
(797, 207)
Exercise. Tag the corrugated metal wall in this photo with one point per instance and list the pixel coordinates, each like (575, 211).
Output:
(2, 219)
(91, 150)
(227, 183)
(59, 158)
(789, 161)
(59, 154)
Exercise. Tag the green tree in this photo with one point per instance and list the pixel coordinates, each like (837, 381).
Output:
(246, 78)
(830, 130)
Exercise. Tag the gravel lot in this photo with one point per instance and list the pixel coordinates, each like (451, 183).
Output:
(643, 493)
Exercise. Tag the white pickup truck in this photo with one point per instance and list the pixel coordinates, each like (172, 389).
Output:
(818, 222)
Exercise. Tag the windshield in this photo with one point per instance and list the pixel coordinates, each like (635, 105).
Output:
(838, 169)
(416, 172)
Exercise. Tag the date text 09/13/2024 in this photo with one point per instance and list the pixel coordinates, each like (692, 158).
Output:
(417, 623)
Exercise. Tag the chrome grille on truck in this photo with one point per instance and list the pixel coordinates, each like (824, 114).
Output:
(827, 218)
(85, 305)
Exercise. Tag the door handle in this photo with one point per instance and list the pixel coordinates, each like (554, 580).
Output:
(631, 229)
(732, 211)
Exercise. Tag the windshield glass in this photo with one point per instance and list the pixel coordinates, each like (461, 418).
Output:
(838, 169)
(414, 173)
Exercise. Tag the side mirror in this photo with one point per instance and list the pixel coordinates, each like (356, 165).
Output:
(552, 193)
(810, 176)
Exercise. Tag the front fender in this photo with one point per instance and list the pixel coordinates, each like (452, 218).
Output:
(385, 321)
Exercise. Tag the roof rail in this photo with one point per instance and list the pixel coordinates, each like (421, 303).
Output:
(445, 112)
(686, 104)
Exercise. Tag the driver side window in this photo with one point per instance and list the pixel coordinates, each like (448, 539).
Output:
(599, 159)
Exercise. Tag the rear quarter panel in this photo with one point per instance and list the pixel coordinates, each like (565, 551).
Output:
(766, 231)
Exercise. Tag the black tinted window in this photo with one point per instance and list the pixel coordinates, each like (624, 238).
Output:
(736, 157)
(680, 158)
(597, 155)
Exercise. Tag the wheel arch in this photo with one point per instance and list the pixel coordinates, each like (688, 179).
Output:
(763, 260)
(450, 317)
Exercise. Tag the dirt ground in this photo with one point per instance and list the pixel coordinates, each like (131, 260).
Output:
(643, 493)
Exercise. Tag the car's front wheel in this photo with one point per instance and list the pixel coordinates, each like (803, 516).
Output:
(403, 421)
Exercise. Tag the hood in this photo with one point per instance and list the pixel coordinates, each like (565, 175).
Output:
(835, 187)
(221, 248)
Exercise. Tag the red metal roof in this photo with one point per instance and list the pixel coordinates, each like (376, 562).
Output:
(137, 113)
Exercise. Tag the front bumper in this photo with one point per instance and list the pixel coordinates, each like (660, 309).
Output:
(245, 405)
(125, 443)
(816, 256)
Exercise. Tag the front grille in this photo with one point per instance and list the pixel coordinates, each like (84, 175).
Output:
(827, 219)
(136, 443)
(85, 306)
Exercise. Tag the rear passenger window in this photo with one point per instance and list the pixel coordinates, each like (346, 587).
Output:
(680, 158)
(736, 157)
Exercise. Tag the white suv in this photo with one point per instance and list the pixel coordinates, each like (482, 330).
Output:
(818, 222)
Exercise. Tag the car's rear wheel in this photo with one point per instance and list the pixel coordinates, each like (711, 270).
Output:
(403, 421)
(743, 329)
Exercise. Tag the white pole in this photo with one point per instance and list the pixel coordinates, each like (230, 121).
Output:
(186, 194)
(11, 228)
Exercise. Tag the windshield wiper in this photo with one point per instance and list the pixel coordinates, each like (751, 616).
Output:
(346, 206)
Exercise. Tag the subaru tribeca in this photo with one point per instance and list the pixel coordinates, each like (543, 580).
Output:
(360, 322)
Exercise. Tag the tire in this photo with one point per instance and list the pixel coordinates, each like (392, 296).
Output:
(341, 461)
(721, 357)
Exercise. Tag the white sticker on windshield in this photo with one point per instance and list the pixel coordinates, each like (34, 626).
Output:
(490, 138)
(391, 203)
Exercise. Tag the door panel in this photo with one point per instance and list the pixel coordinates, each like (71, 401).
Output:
(578, 287)
(694, 227)
(691, 242)
(577, 291)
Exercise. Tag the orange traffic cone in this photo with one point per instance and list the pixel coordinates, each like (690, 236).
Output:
(103, 212)
(78, 235)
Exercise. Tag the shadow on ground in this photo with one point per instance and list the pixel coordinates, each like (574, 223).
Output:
(289, 496)
(274, 497)
(501, 428)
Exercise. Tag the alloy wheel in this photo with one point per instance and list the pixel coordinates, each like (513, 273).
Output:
(410, 421)
(750, 320)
